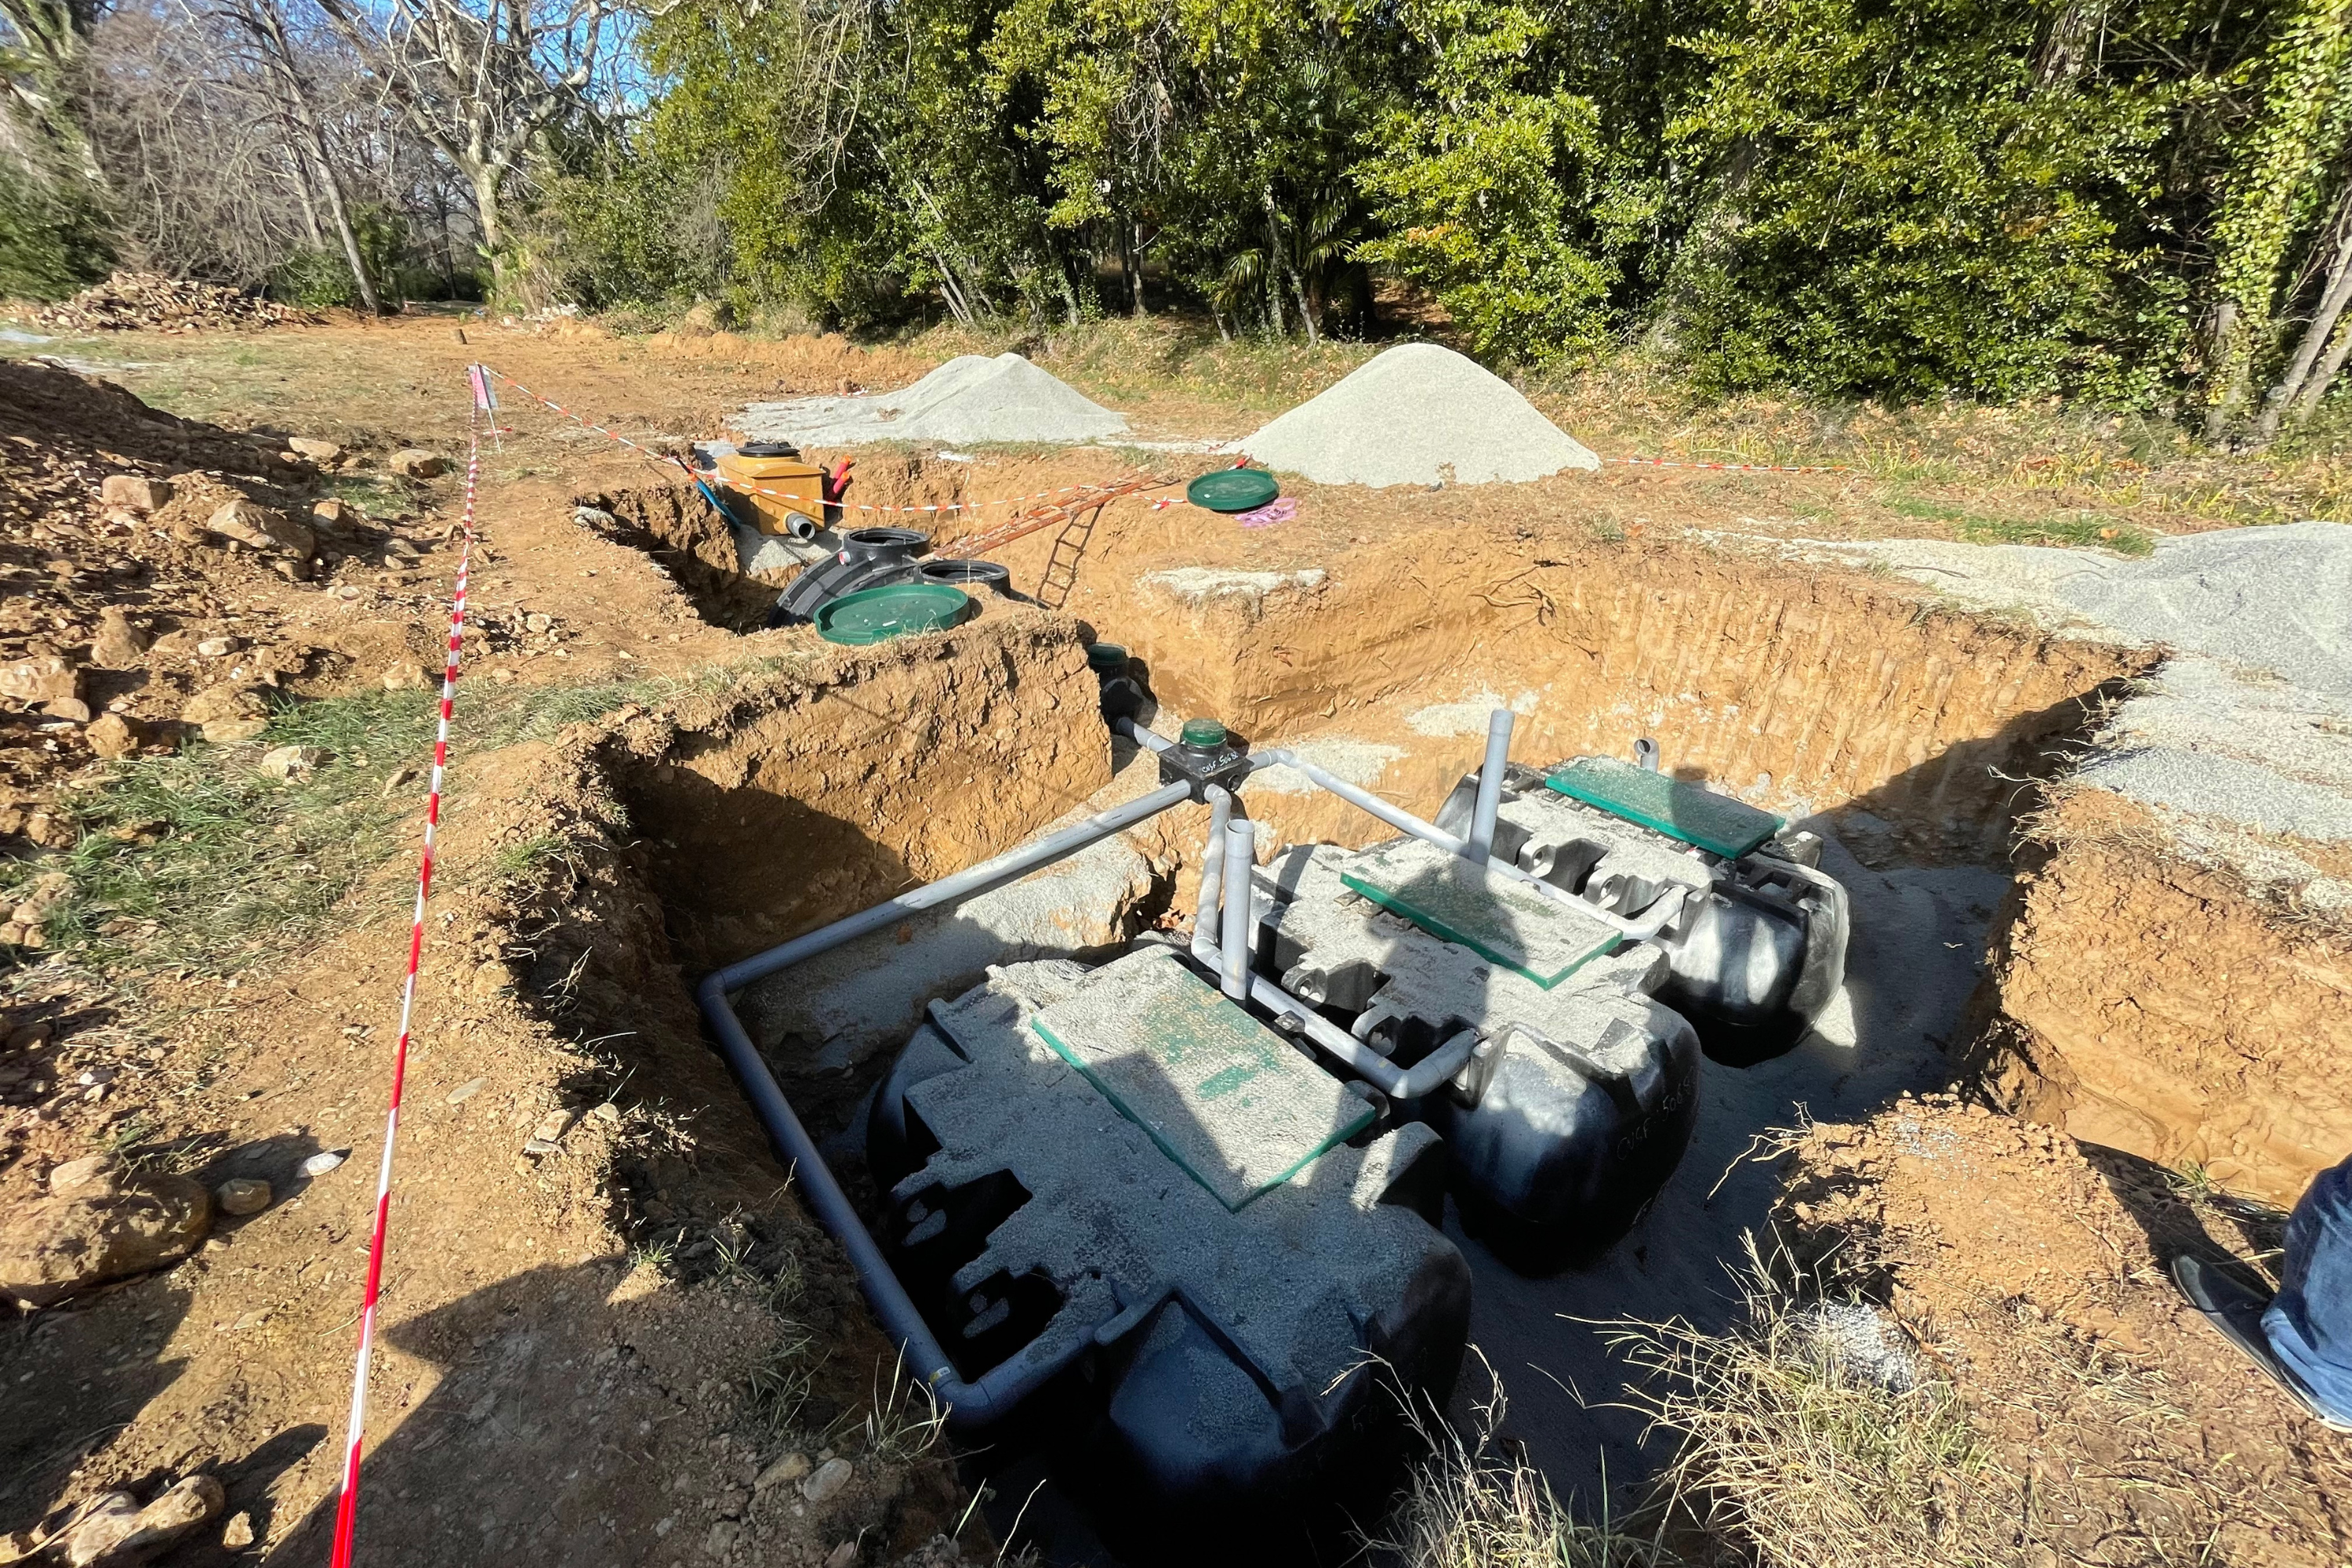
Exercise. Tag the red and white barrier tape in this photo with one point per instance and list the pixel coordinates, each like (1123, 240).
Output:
(347, 1506)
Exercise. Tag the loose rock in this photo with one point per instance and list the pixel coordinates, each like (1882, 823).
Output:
(135, 492)
(118, 644)
(292, 761)
(116, 1532)
(232, 732)
(826, 1479)
(230, 699)
(238, 1533)
(242, 1195)
(264, 527)
(406, 678)
(315, 449)
(112, 736)
(113, 1224)
(68, 708)
(415, 463)
(44, 677)
(319, 1164)
(792, 1466)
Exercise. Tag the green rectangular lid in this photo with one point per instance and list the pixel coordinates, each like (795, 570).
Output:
(1672, 807)
(1232, 1102)
(1499, 918)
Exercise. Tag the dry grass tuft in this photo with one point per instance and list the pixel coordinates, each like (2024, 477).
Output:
(1476, 1502)
(1795, 1454)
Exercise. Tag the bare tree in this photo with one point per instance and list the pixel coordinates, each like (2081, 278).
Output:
(478, 79)
(260, 28)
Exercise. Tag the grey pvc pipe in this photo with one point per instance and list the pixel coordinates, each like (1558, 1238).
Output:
(1397, 1083)
(1377, 1069)
(1481, 843)
(1204, 908)
(1404, 821)
(1240, 854)
(971, 1404)
(950, 889)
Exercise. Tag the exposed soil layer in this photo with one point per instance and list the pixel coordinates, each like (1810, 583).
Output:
(2159, 1006)
(604, 1339)
(791, 803)
(2118, 1427)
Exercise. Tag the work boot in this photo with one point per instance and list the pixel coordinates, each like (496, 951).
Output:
(2236, 1309)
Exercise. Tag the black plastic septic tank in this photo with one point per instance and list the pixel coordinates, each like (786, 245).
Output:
(1558, 1142)
(1228, 1282)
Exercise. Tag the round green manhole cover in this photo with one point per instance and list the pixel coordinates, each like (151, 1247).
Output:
(1108, 658)
(900, 609)
(1205, 733)
(1232, 490)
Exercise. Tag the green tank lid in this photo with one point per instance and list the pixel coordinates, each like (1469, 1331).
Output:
(1110, 658)
(1232, 490)
(1204, 734)
(896, 610)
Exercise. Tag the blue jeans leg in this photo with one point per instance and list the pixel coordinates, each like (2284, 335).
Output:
(2310, 1323)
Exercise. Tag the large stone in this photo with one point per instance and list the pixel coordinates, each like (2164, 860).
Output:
(828, 1479)
(44, 677)
(315, 449)
(230, 699)
(416, 463)
(112, 1224)
(135, 491)
(119, 644)
(264, 527)
(114, 1532)
(112, 736)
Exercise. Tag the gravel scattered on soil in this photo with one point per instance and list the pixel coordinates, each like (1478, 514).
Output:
(2270, 598)
(2275, 598)
(1358, 762)
(1418, 415)
(970, 399)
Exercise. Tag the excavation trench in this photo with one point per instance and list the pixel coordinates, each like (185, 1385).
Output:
(1899, 732)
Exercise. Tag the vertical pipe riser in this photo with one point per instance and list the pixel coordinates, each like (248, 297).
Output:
(1481, 843)
(1240, 854)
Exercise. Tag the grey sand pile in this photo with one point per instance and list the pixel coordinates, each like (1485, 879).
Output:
(1418, 415)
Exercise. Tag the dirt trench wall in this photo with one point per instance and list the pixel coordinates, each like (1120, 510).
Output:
(854, 773)
(2156, 1007)
(1786, 683)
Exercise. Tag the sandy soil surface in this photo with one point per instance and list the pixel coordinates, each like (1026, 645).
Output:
(612, 1335)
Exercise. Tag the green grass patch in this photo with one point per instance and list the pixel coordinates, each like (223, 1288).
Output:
(2076, 530)
(200, 862)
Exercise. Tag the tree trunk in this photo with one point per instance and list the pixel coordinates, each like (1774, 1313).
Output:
(2230, 393)
(339, 210)
(2325, 376)
(2291, 386)
(484, 179)
(1290, 269)
(2336, 293)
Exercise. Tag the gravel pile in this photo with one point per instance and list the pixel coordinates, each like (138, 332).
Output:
(143, 302)
(970, 400)
(1418, 415)
(2270, 598)
(2275, 598)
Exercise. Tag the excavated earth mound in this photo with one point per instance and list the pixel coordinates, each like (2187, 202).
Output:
(2113, 1425)
(1418, 415)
